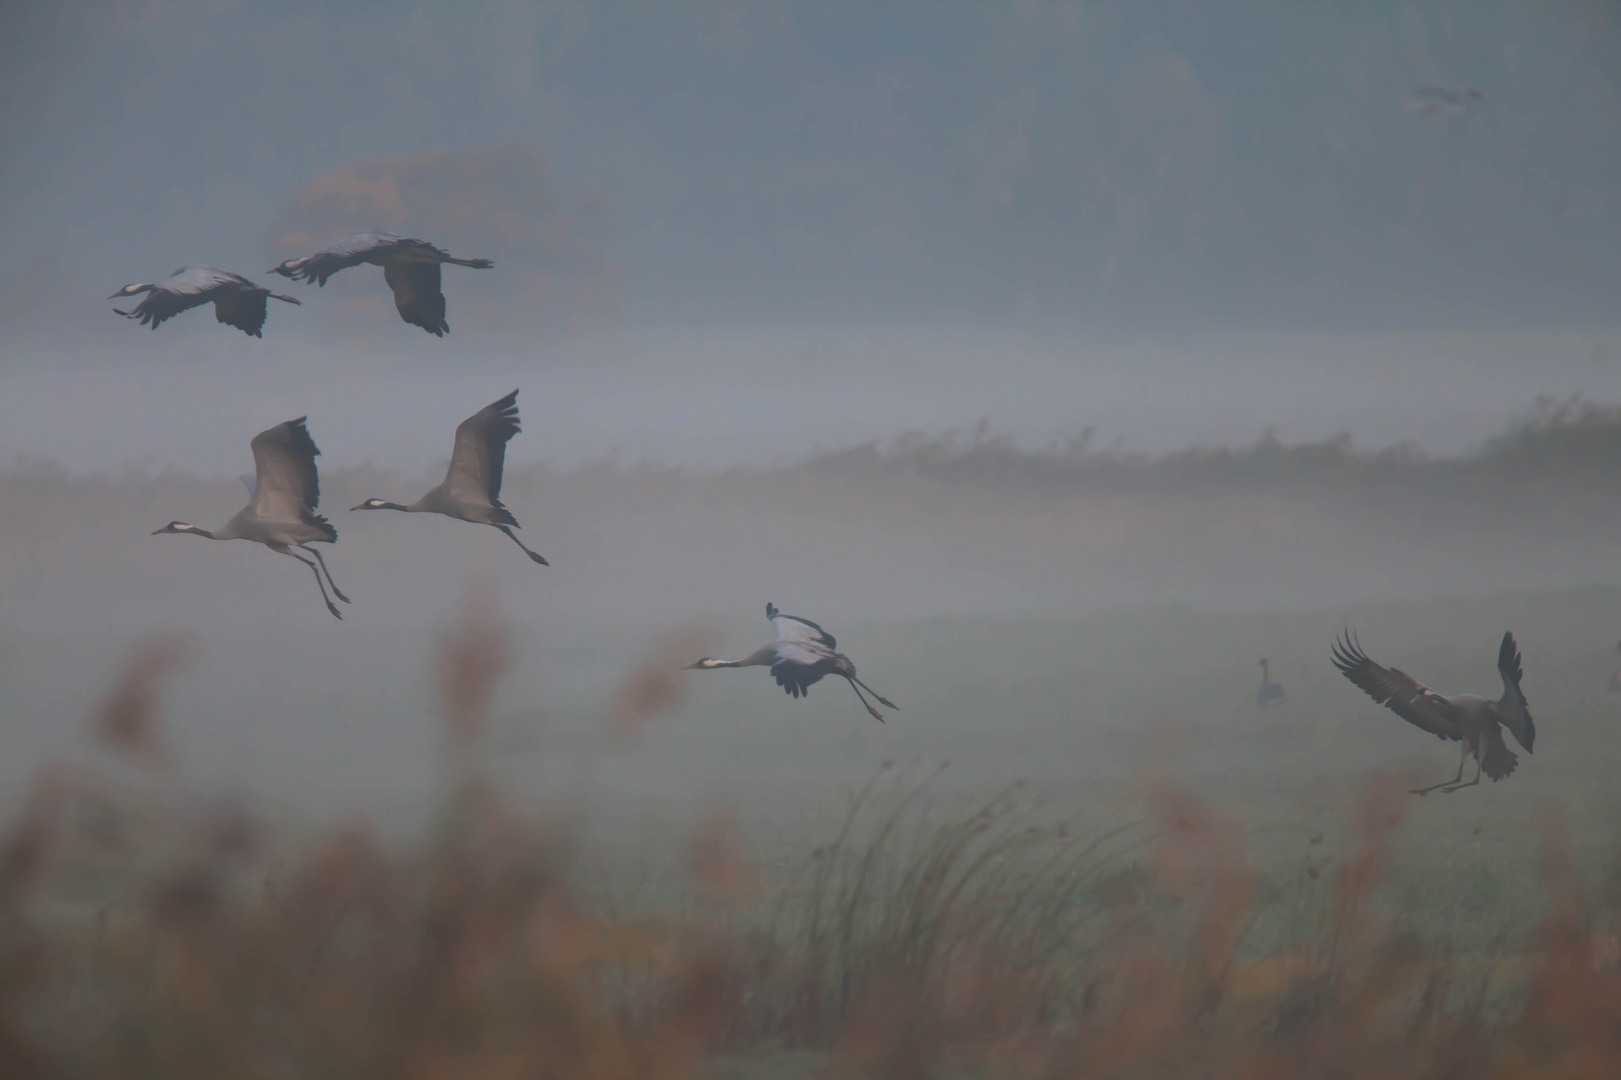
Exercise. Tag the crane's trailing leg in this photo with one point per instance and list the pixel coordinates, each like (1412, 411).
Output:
(330, 606)
(335, 590)
(533, 555)
(1454, 782)
(875, 714)
(882, 700)
(1472, 783)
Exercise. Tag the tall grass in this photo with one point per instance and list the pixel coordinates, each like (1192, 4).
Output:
(953, 907)
(143, 934)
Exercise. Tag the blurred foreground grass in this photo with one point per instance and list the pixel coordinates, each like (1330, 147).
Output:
(144, 934)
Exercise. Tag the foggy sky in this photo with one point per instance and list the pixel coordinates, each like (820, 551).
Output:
(739, 232)
(1166, 164)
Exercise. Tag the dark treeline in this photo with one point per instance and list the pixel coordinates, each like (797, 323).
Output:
(1571, 441)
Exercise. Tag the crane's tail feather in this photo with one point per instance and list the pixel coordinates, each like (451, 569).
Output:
(1499, 761)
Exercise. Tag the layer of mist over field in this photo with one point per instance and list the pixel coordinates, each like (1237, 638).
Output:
(1077, 617)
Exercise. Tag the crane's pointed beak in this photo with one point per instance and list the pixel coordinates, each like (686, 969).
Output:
(116, 295)
(156, 532)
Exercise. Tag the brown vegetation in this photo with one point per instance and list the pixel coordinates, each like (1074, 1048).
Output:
(995, 942)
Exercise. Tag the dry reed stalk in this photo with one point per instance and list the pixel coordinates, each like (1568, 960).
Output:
(127, 721)
(473, 655)
(657, 684)
(26, 848)
(719, 866)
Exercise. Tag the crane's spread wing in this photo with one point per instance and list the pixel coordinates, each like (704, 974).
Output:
(791, 628)
(1397, 691)
(352, 250)
(183, 290)
(1512, 708)
(286, 484)
(804, 652)
(798, 664)
(480, 455)
(417, 294)
(243, 308)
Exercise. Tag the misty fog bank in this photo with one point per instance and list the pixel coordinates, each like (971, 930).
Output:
(1575, 443)
(191, 395)
(917, 526)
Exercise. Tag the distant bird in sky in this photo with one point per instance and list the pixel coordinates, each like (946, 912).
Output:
(411, 268)
(1270, 693)
(802, 654)
(471, 489)
(1471, 720)
(237, 301)
(1615, 675)
(1431, 100)
(281, 510)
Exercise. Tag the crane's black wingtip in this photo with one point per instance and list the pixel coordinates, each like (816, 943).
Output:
(1347, 652)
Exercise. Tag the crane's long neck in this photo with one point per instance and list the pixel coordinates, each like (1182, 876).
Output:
(1266, 673)
(195, 531)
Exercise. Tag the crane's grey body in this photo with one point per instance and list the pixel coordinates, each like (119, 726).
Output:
(1469, 719)
(237, 301)
(803, 654)
(281, 511)
(471, 489)
(1270, 693)
(410, 267)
